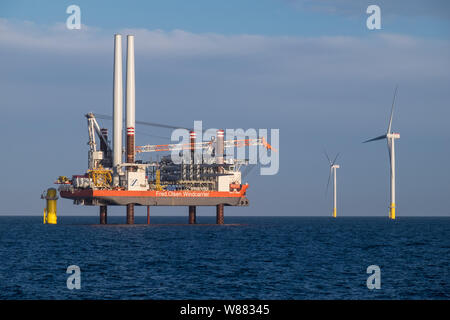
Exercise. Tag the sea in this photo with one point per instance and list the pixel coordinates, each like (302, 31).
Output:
(298, 258)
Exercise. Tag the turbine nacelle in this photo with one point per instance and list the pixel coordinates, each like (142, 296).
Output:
(393, 135)
(335, 166)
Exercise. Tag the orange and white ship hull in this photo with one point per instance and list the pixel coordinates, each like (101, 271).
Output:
(157, 198)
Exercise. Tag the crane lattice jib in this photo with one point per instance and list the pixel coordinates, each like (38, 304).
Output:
(204, 145)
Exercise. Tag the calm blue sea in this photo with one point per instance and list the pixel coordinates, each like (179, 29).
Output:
(262, 258)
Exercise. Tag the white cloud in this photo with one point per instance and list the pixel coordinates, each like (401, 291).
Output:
(328, 55)
(30, 35)
(312, 88)
(282, 65)
(55, 38)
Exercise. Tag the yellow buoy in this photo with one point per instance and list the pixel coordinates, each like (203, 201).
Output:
(50, 209)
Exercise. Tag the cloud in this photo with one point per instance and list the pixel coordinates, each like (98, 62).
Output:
(286, 67)
(57, 41)
(26, 35)
(332, 90)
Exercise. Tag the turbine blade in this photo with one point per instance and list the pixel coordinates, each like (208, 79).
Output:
(153, 124)
(392, 111)
(247, 170)
(389, 147)
(377, 138)
(326, 155)
(328, 184)
(334, 161)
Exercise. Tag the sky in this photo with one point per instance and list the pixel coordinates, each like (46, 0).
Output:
(311, 69)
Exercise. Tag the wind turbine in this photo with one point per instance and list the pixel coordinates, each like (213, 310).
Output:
(333, 167)
(390, 137)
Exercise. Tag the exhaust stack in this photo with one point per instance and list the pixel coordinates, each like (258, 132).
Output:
(220, 148)
(117, 106)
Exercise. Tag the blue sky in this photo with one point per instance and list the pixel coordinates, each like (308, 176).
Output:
(268, 17)
(309, 68)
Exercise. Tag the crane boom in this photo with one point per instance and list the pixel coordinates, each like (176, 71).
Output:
(203, 145)
(96, 157)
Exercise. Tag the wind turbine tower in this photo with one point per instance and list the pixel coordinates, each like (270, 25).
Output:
(390, 137)
(333, 167)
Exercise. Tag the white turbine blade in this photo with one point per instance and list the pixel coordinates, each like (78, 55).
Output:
(329, 178)
(326, 155)
(153, 124)
(392, 111)
(389, 147)
(377, 138)
(334, 161)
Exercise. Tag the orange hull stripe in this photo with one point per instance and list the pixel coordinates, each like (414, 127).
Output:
(155, 193)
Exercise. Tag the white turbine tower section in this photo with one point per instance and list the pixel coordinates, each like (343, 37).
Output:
(390, 137)
(130, 93)
(333, 167)
(117, 106)
(130, 121)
